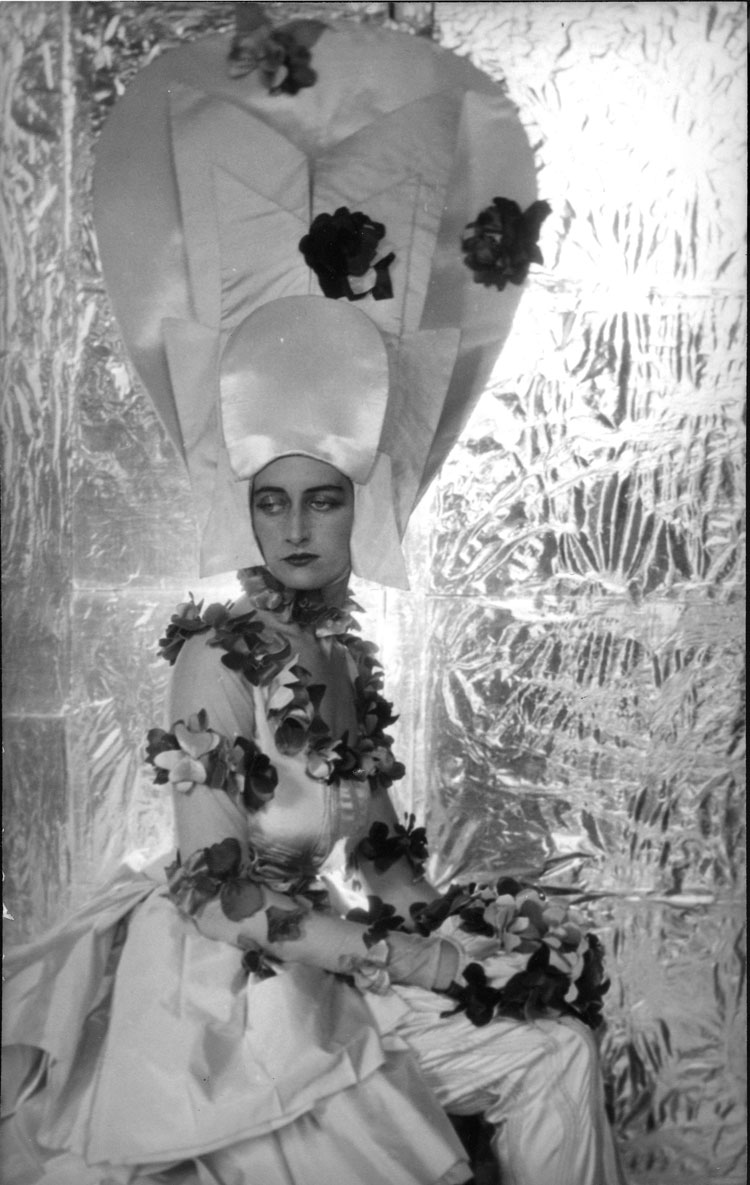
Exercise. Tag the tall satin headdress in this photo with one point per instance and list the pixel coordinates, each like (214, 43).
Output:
(205, 185)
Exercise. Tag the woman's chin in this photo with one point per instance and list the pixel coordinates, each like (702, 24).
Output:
(309, 579)
(299, 580)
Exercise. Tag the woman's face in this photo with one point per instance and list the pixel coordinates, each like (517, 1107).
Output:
(303, 512)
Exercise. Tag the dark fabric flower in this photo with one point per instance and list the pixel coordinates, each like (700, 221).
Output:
(476, 997)
(429, 916)
(185, 621)
(344, 244)
(250, 648)
(217, 615)
(291, 735)
(260, 776)
(255, 962)
(384, 847)
(378, 714)
(158, 741)
(281, 56)
(347, 763)
(502, 242)
(285, 66)
(378, 917)
(240, 898)
(592, 985)
(473, 921)
(284, 925)
(203, 876)
(223, 859)
(537, 992)
(199, 888)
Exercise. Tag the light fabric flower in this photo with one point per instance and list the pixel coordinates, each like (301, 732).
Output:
(184, 772)
(368, 970)
(321, 763)
(500, 913)
(281, 689)
(184, 765)
(500, 968)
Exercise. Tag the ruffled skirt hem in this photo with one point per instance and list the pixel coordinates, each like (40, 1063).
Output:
(163, 1062)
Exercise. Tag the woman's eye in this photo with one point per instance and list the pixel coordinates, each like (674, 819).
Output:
(325, 503)
(269, 505)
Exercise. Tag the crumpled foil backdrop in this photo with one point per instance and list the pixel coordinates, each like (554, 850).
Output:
(569, 663)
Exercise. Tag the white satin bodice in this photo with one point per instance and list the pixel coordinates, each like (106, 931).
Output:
(306, 817)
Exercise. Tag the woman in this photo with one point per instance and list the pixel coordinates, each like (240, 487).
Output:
(241, 1023)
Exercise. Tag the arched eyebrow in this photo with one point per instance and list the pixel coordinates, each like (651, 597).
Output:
(329, 486)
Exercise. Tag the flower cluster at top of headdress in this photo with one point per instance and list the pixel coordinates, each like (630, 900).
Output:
(499, 245)
(281, 56)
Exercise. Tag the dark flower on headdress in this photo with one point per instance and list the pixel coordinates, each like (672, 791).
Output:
(285, 66)
(344, 245)
(281, 56)
(501, 243)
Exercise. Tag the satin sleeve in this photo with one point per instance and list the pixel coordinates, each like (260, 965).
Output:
(200, 681)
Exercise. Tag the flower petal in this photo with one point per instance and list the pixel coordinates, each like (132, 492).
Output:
(169, 758)
(279, 698)
(196, 744)
(187, 771)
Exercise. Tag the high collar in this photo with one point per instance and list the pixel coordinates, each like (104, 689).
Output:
(326, 611)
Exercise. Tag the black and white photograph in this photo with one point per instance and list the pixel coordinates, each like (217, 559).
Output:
(373, 592)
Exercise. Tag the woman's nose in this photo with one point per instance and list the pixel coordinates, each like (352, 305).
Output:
(298, 530)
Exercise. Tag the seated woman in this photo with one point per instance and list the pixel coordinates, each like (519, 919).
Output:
(241, 1024)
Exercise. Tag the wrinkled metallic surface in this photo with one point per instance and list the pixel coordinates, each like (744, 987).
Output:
(570, 660)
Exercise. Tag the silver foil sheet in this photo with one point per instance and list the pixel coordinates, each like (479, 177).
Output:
(569, 663)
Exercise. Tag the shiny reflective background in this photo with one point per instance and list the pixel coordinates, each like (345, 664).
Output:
(569, 664)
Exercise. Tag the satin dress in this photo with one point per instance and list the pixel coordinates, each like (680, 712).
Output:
(140, 1049)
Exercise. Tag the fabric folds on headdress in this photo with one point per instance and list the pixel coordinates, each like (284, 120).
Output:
(204, 187)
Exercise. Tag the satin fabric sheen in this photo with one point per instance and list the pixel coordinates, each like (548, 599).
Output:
(160, 1052)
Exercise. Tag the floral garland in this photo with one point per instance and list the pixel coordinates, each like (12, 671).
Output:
(536, 961)
(220, 871)
(264, 657)
(527, 959)
(193, 754)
